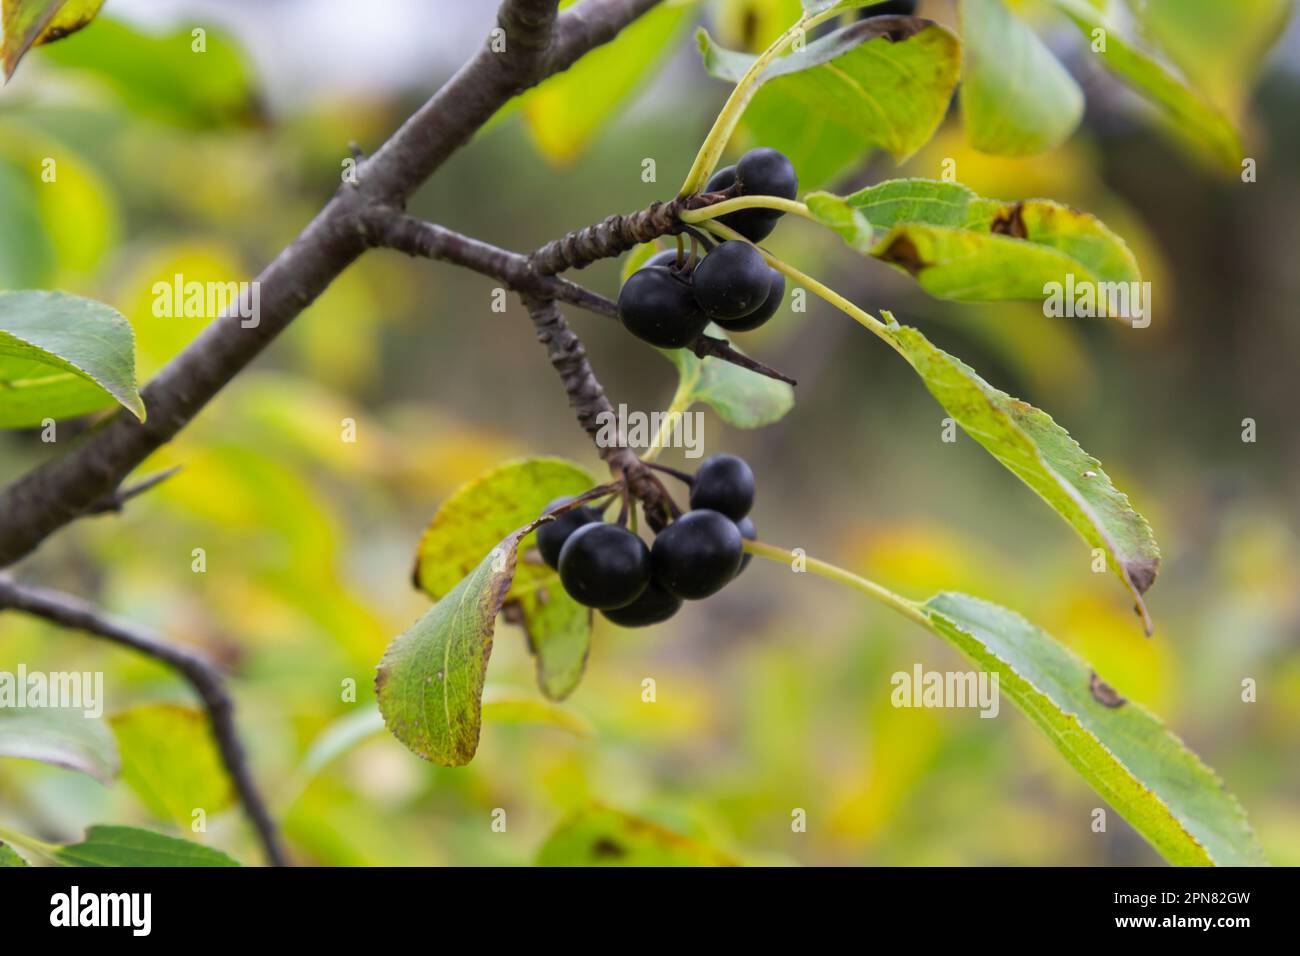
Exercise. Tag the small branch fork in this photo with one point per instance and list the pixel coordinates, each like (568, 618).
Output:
(394, 229)
(200, 672)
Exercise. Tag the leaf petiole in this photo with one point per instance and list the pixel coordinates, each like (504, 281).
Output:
(706, 160)
(909, 609)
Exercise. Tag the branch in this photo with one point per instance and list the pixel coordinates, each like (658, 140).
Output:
(116, 501)
(608, 238)
(706, 345)
(587, 397)
(396, 230)
(198, 671)
(537, 44)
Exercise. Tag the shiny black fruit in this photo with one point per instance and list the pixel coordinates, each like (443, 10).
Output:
(654, 606)
(723, 483)
(754, 224)
(732, 281)
(657, 306)
(749, 533)
(697, 554)
(775, 296)
(767, 172)
(604, 566)
(668, 259)
(552, 535)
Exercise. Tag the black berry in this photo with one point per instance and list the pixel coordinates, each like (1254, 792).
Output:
(898, 7)
(697, 554)
(654, 606)
(668, 259)
(604, 566)
(767, 172)
(749, 533)
(732, 281)
(656, 305)
(754, 224)
(723, 483)
(775, 296)
(552, 535)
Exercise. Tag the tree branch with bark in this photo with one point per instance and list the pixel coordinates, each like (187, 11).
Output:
(91, 477)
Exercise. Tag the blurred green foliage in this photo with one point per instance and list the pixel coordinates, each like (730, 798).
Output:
(773, 696)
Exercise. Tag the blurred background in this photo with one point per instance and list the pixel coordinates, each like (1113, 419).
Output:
(774, 694)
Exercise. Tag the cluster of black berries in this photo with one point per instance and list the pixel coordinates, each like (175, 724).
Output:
(669, 301)
(607, 567)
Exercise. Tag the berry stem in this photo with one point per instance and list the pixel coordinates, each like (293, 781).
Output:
(905, 607)
(706, 160)
(681, 476)
(598, 492)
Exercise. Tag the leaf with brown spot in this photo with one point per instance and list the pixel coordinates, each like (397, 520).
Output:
(1043, 455)
(961, 246)
(1125, 753)
(1103, 693)
(30, 23)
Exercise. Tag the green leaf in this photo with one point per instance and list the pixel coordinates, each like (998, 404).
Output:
(1191, 115)
(741, 397)
(566, 111)
(601, 836)
(876, 84)
(836, 6)
(1128, 756)
(29, 23)
(10, 858)
(960, 246)
(162, 76)
(130, 846)
(1016, 97)
(430, 681)
(503, 706)
(338, 738)
(474, 520)
(171, 761)
(499, 706)
(27, 255)
(62, 737)
(61, 356)
(1042, 455)
(836, 214)
(1220, 46)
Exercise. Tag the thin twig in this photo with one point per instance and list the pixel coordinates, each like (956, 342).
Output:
(201, 674)
(118, 499)
(706, 345)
